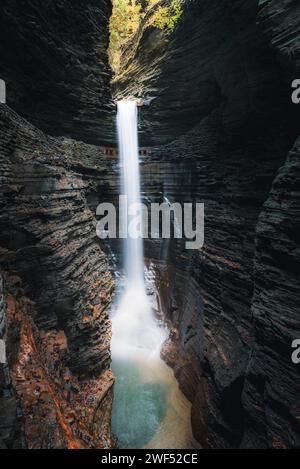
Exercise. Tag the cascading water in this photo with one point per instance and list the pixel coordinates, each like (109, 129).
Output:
(136, 334)
(148, 407)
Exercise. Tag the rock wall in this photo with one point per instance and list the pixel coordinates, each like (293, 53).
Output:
(55, 63)
(221, 88)
(220, 124)
(270, 395)
(216, 56)
(47, 222)
(208, 293)
(57, 285)
(9, 425)
(49, 245)
(270, 392)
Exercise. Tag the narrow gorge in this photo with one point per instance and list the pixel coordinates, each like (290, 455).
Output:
(216, 126)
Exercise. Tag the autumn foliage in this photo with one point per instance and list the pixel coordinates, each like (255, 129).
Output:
(127, 16)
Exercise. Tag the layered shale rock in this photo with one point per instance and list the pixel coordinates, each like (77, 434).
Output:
(48, 237)
(272, 383)
(272, 380)
(216, 56)
(8, 404)
(48, 240)
(280, 22)
(75, 413)
(207, 294)
(220, 124)
(225, 77)
(55, 327)
(55, 63)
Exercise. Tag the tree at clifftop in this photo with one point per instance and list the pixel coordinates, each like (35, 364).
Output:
(126, 18)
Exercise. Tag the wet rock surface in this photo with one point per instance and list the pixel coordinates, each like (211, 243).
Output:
(57, 330)
(75, 414)
(225, 77)
(208, 293)
(48, 240)
(48, 237)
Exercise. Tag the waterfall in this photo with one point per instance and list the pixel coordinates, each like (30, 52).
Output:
(149, 410)
(129, 157)
(136, 333)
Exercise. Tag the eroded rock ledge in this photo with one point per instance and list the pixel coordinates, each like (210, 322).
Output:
(49, 245)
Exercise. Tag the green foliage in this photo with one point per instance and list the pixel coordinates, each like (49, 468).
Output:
(123, 24)
(167, 17)
(127, 15)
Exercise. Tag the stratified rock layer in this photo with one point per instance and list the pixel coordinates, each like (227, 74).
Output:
(8, 404)
(220, 95)
(57, 287)
(271, 393)
(48, 240)
(225, 77)
(216, 56)
(55, 63)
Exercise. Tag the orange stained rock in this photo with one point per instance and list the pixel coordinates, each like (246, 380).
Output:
(96, 284)
(41, 389)
(277, 443)
(97, 310)
(223, 260)
(27, 336)
(217, 346)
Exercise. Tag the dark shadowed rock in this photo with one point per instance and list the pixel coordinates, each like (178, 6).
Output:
(48, 244)
(221, 124)
(216, 56)
(48, 236)
(271, 393)
(226, 74)
(55, 63)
